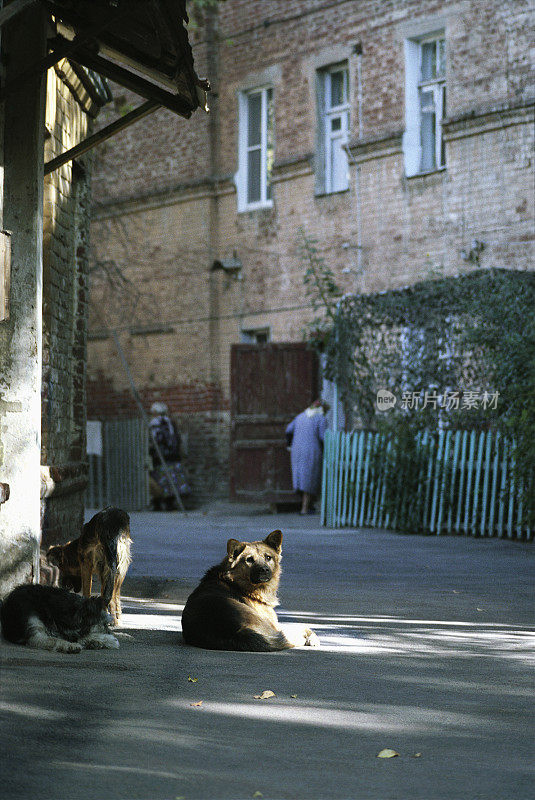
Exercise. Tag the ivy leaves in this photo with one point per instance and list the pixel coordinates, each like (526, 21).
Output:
(474, 331)
(322, 290)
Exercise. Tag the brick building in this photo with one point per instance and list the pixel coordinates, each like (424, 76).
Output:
(55, 56)
(70, 111)
(397, 135)
(44, 299)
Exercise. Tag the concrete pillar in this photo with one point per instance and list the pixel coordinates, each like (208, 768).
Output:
(23, 117)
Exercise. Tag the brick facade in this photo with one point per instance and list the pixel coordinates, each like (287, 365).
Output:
(66, 217)
(165, 199)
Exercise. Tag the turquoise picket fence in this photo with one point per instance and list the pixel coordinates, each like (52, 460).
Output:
(456, 482)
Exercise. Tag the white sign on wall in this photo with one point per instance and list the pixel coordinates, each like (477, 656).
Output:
(94, 438)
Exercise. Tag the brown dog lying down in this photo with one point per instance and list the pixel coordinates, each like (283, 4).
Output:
(232, 608)
(104, 549)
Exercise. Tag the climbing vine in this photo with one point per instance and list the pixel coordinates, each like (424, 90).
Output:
(321, 289)
(455, 353)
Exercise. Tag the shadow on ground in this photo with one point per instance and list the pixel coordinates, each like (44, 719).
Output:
(157, 719)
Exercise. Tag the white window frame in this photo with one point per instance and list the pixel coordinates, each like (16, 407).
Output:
(414, 86)
(329, 138)
(255, 335)
(244, 148)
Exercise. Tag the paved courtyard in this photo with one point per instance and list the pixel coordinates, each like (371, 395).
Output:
(427, 649)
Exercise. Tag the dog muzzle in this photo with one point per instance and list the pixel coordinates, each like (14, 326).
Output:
(260, 575)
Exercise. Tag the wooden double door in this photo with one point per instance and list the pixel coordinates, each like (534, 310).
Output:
(270, 385)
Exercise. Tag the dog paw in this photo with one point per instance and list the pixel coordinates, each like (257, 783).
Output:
(70, 647)
(102, 642)
(301, 637)
(311, 639)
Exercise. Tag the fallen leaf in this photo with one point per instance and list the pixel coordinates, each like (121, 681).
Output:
(293, 696)
(387, 753)
(192, 680)
(196, 705)
(265, 695)
(258, 794)
(417, 755)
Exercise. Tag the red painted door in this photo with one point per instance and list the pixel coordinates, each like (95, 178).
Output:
(270, 384)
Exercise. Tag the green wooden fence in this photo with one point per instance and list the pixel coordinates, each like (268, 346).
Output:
(454, 482)
(119, 475)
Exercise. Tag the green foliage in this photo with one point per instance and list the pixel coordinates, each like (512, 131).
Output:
(403, 468)
(504, 330)
(322, 290)
(203, 5)
(198, 10)
(473, 332)
(125, 108)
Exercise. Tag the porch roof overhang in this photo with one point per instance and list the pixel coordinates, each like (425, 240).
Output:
(139, 44)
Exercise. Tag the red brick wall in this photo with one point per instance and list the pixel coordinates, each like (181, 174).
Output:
(201, 414)
(157, 154)
(165, 200)
(67, 208)
(105, 402)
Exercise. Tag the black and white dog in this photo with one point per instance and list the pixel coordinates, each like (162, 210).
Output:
(55, 619)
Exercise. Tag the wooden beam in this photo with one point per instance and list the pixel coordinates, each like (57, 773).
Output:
(133, 82)
(62, 48)
(106, 133)
(8, 12)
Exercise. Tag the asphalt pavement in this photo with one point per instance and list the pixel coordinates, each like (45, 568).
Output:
(427, 649)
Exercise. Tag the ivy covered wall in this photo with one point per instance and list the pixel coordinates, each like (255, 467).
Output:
(451, 353)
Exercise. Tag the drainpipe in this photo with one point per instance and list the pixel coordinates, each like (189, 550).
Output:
(357, 51)
(335, 387)
(357, 168)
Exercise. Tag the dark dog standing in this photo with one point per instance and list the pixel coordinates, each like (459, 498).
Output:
(50, 618)
(233, 606)
(103, 548)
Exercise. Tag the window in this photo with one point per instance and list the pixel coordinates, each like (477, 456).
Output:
(256, 149)
(432, 92)
(425, 100)
(333, 96)
(255, 336)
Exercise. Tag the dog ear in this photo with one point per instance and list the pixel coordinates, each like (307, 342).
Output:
(274, 540)
(234, 548)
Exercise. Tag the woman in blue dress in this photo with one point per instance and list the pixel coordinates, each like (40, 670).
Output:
(305, 435)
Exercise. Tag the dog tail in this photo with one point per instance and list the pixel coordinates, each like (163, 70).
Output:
(245, 641)
(116, 523)
(250, 640)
